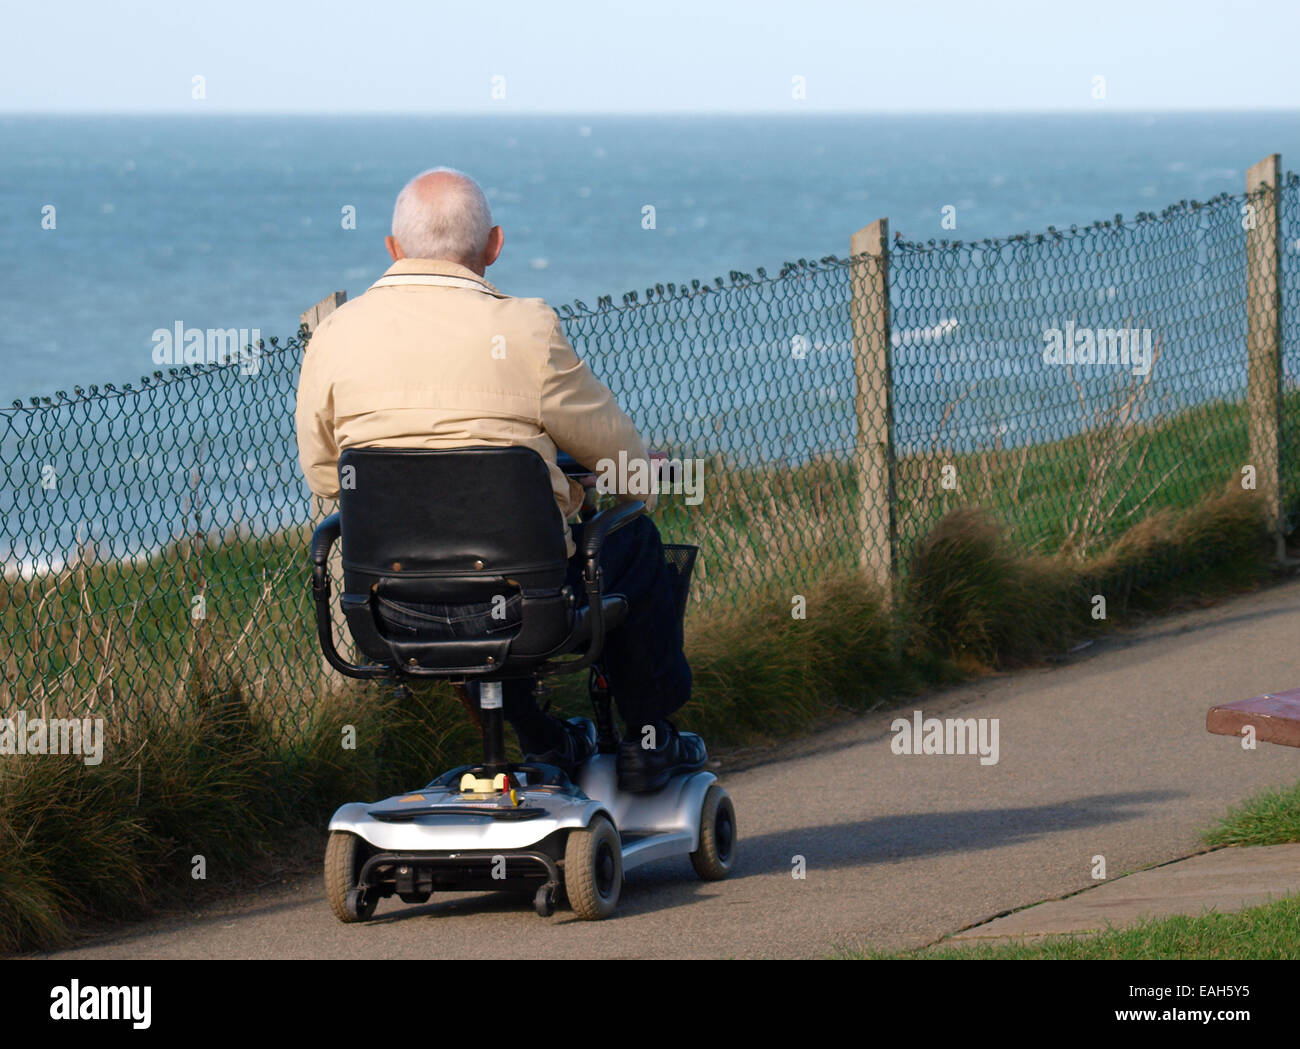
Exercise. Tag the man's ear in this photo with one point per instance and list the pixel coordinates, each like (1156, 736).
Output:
(495, 242)
(394, 249)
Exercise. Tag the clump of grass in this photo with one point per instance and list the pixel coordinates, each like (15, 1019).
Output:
(1269, 818)
(973, 597)
(772, 670)
(69, 849)
(1217, 546)
(79, 841)
(112, 841)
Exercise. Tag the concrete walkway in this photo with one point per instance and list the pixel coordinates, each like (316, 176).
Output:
(1225, 880)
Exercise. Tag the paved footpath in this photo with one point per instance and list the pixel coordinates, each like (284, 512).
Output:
(1106, 755)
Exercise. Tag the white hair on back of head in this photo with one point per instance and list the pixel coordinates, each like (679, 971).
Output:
(451, 224)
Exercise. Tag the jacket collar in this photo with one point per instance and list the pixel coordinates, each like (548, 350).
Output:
(440, 268)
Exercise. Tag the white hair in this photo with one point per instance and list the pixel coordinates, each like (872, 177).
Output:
(452, 224)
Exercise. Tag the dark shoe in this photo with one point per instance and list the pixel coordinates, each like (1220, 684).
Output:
(579, 743)
(641, 769)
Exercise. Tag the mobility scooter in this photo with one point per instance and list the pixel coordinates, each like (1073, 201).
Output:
(480, 527)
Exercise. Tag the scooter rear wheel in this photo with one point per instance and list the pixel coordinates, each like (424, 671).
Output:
(345, 855)
(593, 870)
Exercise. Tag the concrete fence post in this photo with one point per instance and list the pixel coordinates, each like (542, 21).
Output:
(1264, 335)
(322, 508)
(874, 405)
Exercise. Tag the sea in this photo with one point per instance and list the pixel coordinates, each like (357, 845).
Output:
(245, 221)
(113, 228)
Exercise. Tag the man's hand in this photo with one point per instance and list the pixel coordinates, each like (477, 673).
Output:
(657, 459)
(589, 480)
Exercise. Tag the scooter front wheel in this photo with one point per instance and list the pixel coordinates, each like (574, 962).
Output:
(593, 870)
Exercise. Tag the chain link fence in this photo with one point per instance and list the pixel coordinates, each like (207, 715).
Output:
(755, 377)
(154, 536)
(1071, 381)
(153, 544)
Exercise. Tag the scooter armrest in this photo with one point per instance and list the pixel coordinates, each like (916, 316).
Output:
(595, 531)
(325, 535)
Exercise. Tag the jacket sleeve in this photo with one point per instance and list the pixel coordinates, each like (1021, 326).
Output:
(580, 414)
(318, 455)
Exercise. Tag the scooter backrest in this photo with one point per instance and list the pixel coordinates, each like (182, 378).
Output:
(445, 526)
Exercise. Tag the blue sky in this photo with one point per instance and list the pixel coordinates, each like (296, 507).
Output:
(652, 56)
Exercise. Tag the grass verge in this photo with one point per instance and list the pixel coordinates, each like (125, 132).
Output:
(208, 793)
(1269, 932)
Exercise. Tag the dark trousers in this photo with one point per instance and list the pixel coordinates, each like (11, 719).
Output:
(643, 659)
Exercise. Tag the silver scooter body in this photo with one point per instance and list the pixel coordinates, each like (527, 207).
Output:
(440, 819)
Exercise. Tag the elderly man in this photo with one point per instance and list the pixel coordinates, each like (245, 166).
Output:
(434, 356)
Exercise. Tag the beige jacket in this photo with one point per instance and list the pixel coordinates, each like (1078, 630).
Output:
(436, 366)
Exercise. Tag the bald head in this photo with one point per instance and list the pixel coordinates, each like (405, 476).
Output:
(443, 214)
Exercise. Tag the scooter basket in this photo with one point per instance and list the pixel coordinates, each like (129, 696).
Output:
(681, 561)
